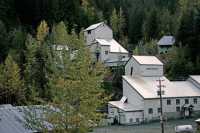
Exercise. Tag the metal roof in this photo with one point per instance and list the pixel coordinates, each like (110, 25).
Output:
(117, 60)
(94, 26)
(166, 40)
(196, 78)
(13, 119)
(147, 60)
(125, 106)
(147, 87)
(115, 47)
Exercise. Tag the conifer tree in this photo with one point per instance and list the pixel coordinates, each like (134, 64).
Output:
(11, 85)
(77, 90)
(39, 62)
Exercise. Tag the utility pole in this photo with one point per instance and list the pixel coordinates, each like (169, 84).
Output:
(160, 93)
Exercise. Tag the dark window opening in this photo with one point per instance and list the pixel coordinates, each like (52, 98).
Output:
(168, 102)
(186, 101)
(106, 52)
(150, 111)
(177, 101)
(195, 100)
(159, 110)
(131, 70)
(89, 31)
(178, 109)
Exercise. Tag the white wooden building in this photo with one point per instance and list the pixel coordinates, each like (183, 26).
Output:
(97, 31)
(165, 44)
(140, 102)
(99, 39)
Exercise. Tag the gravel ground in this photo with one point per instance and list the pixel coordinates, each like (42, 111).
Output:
(145, 128)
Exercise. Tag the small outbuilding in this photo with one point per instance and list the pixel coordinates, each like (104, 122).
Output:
(165, 43)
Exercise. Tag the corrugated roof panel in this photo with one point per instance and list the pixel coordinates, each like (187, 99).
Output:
(147, 87)
(115, 47)
(125, 106)
(166, 40)
(12, 119)
(94, 26)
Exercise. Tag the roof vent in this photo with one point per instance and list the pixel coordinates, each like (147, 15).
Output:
(124, 99)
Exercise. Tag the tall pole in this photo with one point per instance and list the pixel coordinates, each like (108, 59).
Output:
(161, 106)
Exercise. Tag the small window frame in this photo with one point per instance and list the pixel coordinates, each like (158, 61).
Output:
(106, 52)
(186, 101)
(169, 102)
(177, 101)
(150, 111)
(195, 100)
(178, 109)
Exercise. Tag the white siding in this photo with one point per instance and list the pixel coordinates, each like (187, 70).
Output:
(151, 70)
(89, 37)
(154, 104)
(103, 56)
(133, 97)
(123, 117)
(135, 65)
(103, 32)
(143, 70)
(131, 117)
(112, 111)
(167, 109)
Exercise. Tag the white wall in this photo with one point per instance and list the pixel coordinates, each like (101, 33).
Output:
(103, 56)
(151, 70)
(134, 116)
(155, 104)
(124, 117)
(103, 32)
(143, 70)
(135, 65)
(89, 38)
(133, 97)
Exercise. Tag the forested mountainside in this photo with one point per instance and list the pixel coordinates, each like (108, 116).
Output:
(136, 24)
(31, 72)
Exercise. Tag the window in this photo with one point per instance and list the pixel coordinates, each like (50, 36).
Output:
(177, 101)
(159, 110)
(195, 100)
(89, 31)
(137, 120)
(131, 120)
(178, 109)
(106, 52)
(162, 92)
(150, 111)
(152, 68)
(186, 101)
(168, 102)
(131, 70)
